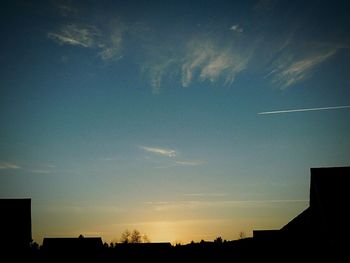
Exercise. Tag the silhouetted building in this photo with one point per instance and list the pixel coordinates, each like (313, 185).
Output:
(80, 246)
(267, 235)
(15, 224)
(326, 219)
(301, 228)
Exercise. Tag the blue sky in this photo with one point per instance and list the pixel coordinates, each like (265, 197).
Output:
(145, 114)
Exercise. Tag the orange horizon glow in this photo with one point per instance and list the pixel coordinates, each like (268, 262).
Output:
(175, 232)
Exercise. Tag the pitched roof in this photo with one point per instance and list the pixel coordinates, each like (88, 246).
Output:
(72, 244)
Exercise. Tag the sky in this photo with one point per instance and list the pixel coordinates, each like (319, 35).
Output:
(186, 120)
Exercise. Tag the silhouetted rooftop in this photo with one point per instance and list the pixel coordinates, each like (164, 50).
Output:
(15, 222)
(329, 201)
(71, 245)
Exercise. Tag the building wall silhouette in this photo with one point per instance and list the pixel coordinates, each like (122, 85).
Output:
(72, 247)
(326, 219)
(15, 224)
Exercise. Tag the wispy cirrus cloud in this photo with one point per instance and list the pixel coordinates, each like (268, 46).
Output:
(42, 168)
(76, 35)
(200, 55)
(206, 194)
(5, 165)
(171, 161)
(189, 163)
(214, 53)
(107, 42)
(175, 163)
(65, 7)
(212, 57)
(236, 28)
(159, 151)
(158, 71)
(111, 41)
(108, 158)
(208, 61)
(289, 71)
(28, 168)
(203, 57)
(191, 204)
(41, 171)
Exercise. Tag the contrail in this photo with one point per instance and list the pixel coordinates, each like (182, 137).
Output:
(305, 109)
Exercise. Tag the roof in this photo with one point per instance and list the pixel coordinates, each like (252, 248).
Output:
(72, 244)
(15, 222)
(299, 226)
(329, 199)
(266, 234)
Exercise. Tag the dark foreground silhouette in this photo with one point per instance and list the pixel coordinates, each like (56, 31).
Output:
(244, 250)
(320, 233)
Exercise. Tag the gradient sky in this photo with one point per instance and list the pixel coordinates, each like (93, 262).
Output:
(145, 114)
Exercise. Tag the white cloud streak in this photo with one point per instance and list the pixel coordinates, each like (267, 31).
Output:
(9, 166)
(157, 73)
(189, 163)
(108, 159)
(207, 61)
(304, 110)
(236, 28)
(41, 171)
(289, 71)
(200, 60)
(206, 194)
(76, 35)
(65, 7)
(108, 43)
(159, 151)
(175, 163)
(173, 205)
(112, 44)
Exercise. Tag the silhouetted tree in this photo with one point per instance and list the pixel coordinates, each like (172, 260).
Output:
(135, 237)
(242, 235)
(125, 238)
(145, 239)
(218, 240)
(33, 245)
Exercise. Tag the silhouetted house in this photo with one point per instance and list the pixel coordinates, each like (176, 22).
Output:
(300, 228)
(326, 219)
(77, 247)
(267, 235)
(15, 224)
